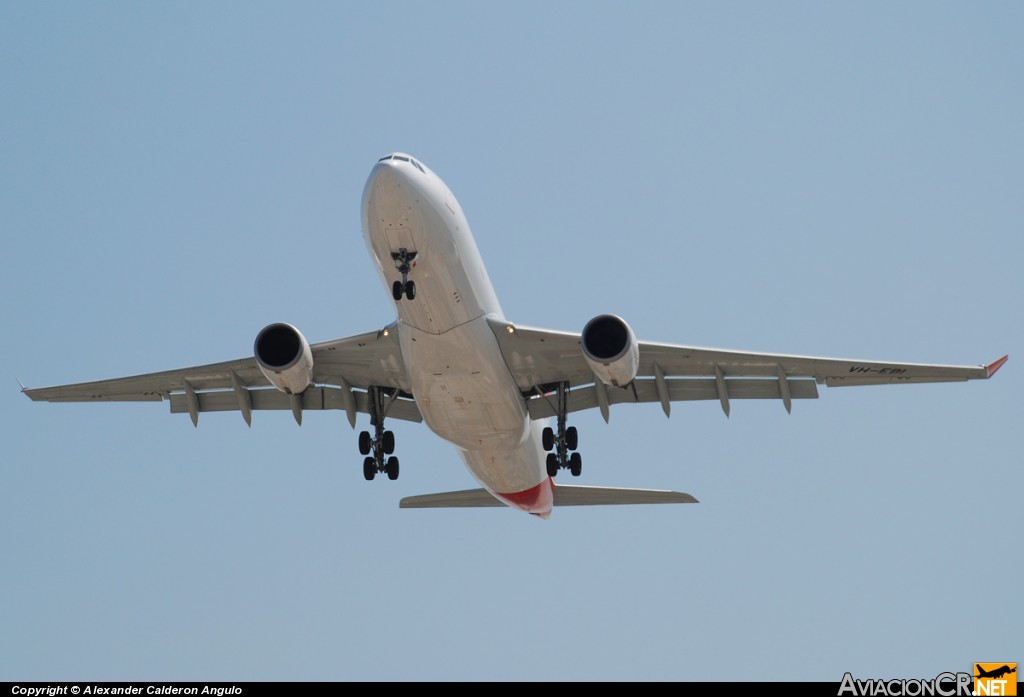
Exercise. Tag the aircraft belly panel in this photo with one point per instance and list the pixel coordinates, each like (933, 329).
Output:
(464, 389)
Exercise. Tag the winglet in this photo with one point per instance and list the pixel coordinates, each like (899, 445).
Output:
(996, 365)
(21, 385)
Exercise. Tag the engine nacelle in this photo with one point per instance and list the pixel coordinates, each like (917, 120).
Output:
(611, 349)
(284, 356)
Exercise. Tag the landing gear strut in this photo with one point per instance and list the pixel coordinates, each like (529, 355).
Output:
(382, 443)
(559, 444)
(404, 261)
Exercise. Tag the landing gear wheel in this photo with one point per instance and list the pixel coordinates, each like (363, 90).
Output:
(552, 465)
(365, 443)
(369, 469)
(575, 464)
(547, 439)
(572, 438)
(389, 442)
(392, 468)
(405, 261)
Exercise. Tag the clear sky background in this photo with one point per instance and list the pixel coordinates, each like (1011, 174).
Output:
(814, 178)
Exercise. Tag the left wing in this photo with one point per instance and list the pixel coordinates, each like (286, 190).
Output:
(540, 359)
(344, 370)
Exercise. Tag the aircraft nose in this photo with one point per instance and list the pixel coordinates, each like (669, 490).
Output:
(389, 186)
(392, 198)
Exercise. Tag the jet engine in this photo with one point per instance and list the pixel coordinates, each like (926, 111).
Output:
(284, 356)
(611, 349)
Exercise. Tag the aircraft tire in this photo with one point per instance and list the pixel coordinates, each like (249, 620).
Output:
(552, 463)
(572, 438)
(575, 464)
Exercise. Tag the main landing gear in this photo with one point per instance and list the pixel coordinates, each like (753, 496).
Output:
(404, 261)
(378, 447)
(558, 444)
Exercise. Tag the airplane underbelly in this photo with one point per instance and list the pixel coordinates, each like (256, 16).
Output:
(463, 388)
(455, 369)
(467, 396)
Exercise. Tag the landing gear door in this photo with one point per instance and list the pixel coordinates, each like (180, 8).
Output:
(401, 238)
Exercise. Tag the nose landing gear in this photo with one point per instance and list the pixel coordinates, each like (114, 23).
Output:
(559, 444)
(404, 260)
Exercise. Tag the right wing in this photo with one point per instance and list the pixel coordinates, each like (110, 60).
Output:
(344, 370)
(539, 359)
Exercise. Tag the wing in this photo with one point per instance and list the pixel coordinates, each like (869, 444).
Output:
(539, 359)
(344, 371)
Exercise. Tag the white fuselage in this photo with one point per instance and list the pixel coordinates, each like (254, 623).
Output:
(456, 371)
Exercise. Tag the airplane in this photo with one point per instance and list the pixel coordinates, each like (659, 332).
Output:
(995, 673)
(489, 386)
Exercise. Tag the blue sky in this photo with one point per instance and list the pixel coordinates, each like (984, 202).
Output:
(794, 177)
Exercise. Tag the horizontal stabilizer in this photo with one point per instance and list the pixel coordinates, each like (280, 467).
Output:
(469, 498)
(613, 496)
(564, 496)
